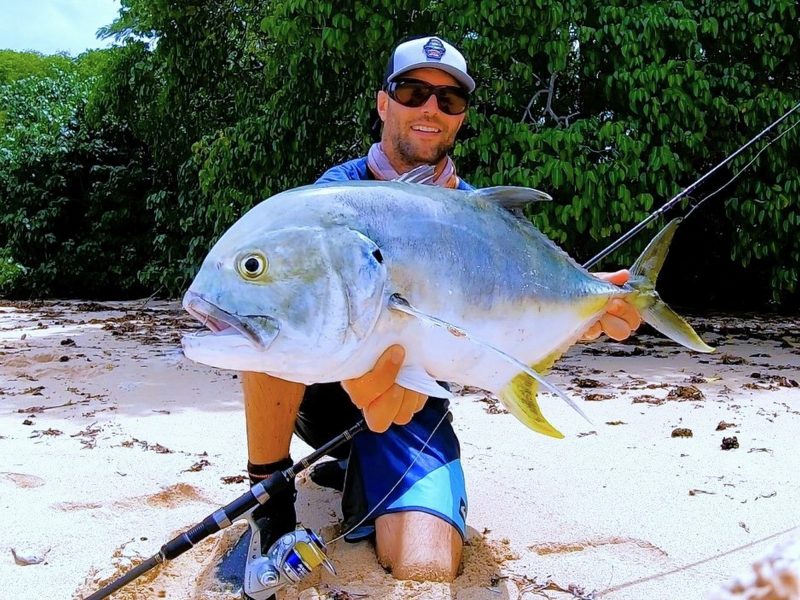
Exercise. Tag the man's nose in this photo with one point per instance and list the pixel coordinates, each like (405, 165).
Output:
(431, 105)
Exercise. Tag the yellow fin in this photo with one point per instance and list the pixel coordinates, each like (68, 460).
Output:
(544, 365)
(653, 309)
(519, 396)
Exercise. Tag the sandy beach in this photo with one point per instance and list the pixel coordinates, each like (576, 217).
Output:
(111, 442)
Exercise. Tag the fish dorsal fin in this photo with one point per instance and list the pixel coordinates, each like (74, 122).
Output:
(511, 197)
(420, 174)
(414, 377)
(521, 389)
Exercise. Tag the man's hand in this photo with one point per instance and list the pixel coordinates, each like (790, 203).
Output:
(380, 398)
(621, 318)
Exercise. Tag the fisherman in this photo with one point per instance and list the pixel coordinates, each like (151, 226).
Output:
(420, 525)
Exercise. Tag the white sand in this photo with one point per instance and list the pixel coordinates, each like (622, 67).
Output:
(624, 510)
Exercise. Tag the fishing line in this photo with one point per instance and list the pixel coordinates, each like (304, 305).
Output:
(628, 584)
(394, 487)
(693, 208)
(742, 170)
(684, 193)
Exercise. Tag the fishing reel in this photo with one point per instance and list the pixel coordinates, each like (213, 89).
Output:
(292, 557)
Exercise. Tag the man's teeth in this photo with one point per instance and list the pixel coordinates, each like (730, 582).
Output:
(425, 129)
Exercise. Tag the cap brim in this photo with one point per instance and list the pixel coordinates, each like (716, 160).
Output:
(462, 78)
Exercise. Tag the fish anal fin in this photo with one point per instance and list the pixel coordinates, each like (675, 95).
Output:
(544, 365)
(519, 396)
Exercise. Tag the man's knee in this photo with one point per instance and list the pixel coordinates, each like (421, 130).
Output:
(419, 546)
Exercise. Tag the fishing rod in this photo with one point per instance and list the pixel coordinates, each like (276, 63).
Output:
(288, 560)
(684, 193)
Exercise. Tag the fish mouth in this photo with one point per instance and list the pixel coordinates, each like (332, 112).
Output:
(259, 330)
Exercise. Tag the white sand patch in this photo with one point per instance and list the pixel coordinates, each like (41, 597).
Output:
(111, 443)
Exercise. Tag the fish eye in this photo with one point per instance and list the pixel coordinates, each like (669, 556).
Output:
(252, 266)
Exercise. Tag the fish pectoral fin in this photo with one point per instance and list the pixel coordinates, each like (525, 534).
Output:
(522, 406)
(511, 197)
(421, 174)
(414, 377)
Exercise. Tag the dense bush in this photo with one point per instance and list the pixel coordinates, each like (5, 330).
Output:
(611, 108)
(72, 217)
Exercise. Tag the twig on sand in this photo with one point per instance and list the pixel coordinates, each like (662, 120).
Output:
(539, 588)
(147, 300)
(38, 409)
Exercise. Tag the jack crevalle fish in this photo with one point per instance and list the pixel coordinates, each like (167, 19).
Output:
(314, 283)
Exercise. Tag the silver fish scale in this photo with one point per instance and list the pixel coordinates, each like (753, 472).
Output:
(462, 242)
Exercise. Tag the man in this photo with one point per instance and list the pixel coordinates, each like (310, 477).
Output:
(419, 528)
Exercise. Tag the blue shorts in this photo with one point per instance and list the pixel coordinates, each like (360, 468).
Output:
(381, 478)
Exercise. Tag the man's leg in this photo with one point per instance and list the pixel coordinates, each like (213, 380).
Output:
(411, 476)
(270, 411)
(270, 407)
(419, 546)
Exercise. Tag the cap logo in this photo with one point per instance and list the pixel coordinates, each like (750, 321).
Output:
(434, 49)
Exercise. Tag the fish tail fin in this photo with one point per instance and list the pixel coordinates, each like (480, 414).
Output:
(519, 397)
(653, 309)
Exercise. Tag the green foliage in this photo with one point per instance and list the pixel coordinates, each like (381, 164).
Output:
(34, 109)
(74, 214)
(10, 271)
(19, 65)
(71, 214)
(616, 108)
(612, 108)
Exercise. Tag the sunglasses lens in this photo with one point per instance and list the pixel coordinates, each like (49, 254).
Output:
(452, 100)
(412, 94)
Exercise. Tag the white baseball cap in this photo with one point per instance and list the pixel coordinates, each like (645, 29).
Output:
(432, 53)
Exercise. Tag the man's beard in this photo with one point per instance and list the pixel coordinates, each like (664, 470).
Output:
(412, 157)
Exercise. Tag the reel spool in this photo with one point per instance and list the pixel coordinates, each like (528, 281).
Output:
(291, 558)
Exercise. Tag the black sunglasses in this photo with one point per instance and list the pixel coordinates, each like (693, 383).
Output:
(412, 93)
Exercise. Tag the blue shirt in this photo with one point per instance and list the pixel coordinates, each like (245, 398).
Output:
(357, 169)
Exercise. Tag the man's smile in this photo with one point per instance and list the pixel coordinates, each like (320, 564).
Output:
(426, 129)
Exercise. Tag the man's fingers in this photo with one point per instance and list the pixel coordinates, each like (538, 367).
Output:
(412, 402)
(625, 311)
(617, 277)
(407, 407)
(365, 389)
(593, 332)
(381, 413)
(615, 327)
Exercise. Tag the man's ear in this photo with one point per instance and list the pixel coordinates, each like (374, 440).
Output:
(382, 104)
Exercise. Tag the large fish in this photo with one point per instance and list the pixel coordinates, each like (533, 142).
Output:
(314, 283)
